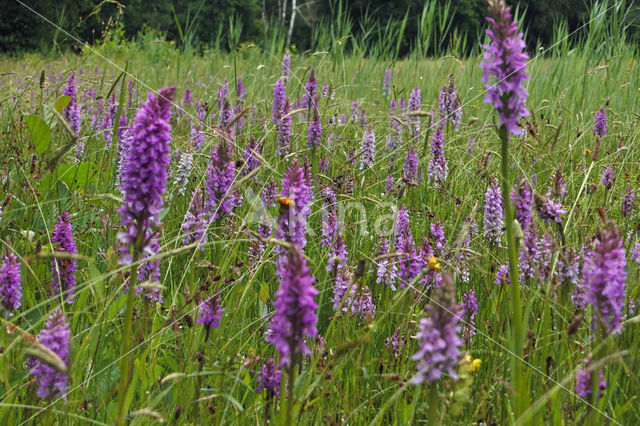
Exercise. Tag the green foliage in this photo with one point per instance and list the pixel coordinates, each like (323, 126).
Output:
(178, 374)
(358, 380)
(40, 132)
(387, 29)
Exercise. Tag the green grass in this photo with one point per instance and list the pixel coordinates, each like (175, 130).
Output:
(358, 380)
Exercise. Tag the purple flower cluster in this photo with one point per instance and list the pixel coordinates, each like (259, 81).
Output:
(607, 179)
(55, 337)
(295, 309)
(386, 87)
(387, 269)
(293, 219)
(70, 90)
(439, 239)
(469, 311)
(183, 172)
(187, 97)
(72, 111)
(326, 91)
(197, 136)
(241, 90)
(409, 264)
(63, 271)
(627, 202)
(149, 272)
(355, 298)
(123, 150)
(549, 210)
(286, 64)
(493, 214)
(269, 378)
(502, 276)
(314, 134)
(545, 255)
(529, 253)
(226, 115)
(265, 227)
(109, 117)
(390, 181)
(284, 130)
(558, 188)
(310, 96)
(354, 110)
(194, 226)
(144, 176)
(463, 256)
(414, 105)
(439, 343)
(250, 154)
(211, 312)
(449, 105)
(368, 148)
(432, 278)
(222, 94)
(10, 283)
(504, 65)
(400, 226)
(522, 199)
(584, 381)
(437, 169)
(410, 171)
(279, 98)
(269, 194)
(329, 217)
(337, 254)
(604, 276)
(600, 123)
(569, 265)
(221, 200)
(396, 341)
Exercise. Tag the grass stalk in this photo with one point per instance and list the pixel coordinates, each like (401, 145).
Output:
(520, 397)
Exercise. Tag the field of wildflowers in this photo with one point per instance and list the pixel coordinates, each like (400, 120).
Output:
(253, 237)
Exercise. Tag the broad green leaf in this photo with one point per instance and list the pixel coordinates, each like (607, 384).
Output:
(264, 292)
(62, 102)
(40, 132)
(49, 116)
(75, 175)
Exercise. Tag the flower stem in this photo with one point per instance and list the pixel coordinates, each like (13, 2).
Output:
(520, 397)
(126, 337)
(5, 359)
(293, 370)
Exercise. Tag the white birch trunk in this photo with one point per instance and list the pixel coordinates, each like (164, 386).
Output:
(294, 9)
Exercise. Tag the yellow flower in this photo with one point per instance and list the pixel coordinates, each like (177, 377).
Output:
(433, 264)
(475, 364)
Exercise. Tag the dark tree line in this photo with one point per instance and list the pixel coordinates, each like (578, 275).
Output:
(207, 22)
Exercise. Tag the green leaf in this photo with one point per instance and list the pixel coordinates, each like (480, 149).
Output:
(97, 281)
(40, 132)
(264, 292)
(62, 102)
(75, 175)
(49, 116)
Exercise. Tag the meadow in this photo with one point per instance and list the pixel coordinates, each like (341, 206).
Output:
(388, 169)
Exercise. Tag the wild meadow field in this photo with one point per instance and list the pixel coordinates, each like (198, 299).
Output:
(321, 237)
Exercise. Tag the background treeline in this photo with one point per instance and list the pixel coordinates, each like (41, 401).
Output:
(391, 28)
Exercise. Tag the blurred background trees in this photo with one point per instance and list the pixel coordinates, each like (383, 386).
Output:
(432, 26)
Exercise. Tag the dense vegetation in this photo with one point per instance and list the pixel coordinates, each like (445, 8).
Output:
(399, 163)
(405, 24)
